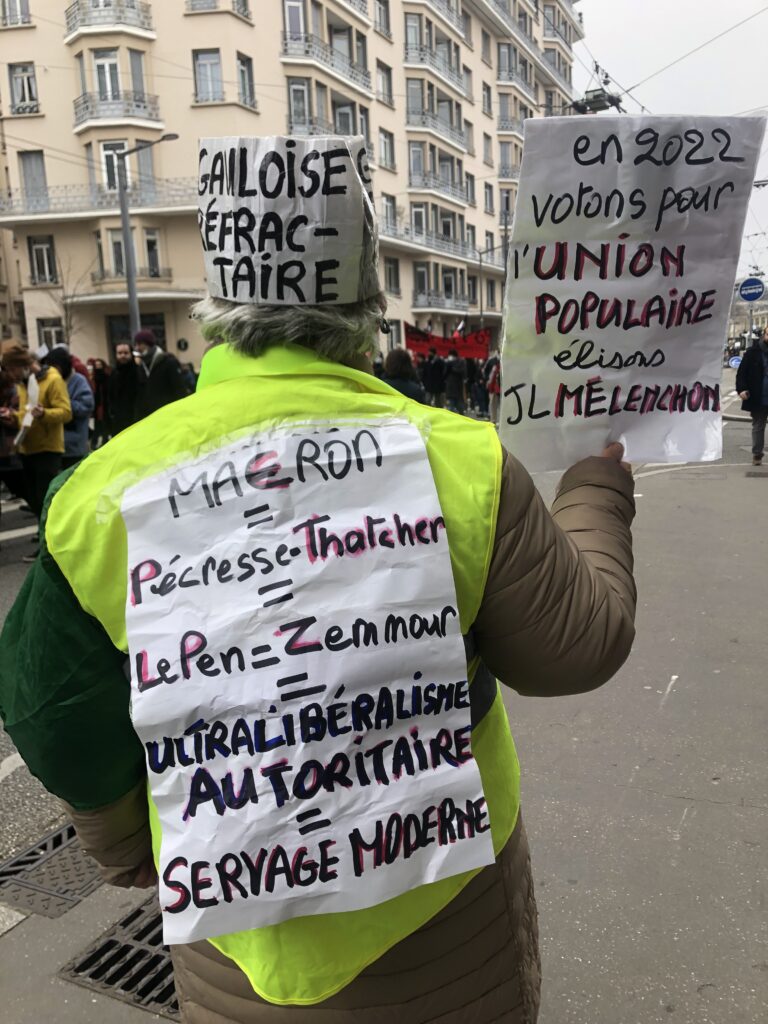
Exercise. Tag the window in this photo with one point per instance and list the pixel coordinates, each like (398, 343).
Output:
(246, 91)
(146, 167)
(490, 294)
(471, 236)
(344, 118)
(81, 73)
(117, 252)
(487, 150)
(365, 125)
(136, 58)
(298, 101)
(507, 60)
(207, 69)
(392, 275)
(488, 188)
(99, 253)
(389, 210)
(386, 149)
(294, 18)
(361, 50)
(50, 332)
(395, 334)
(416, 158)
(421, 278)
(317, 19)
(471, 198)
(469, 137)
(321, 100)
(505, 155)
(42, 259)
(384, 83)
(485, 46)
(110, 164)
(412, 30)
(383, 22)
(467, 76)
(418, 219)
(507, 204)
(487, 99)
(414, 93)
(23, 89)
(152, 250)
(33, 177)
(466, 21)
(472, 290)
(16, 12)
(106, 74)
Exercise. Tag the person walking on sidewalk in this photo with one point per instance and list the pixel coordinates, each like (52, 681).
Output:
(44, 409)
(164, 382)
(81, 398)
(125, 384)
(752, 386)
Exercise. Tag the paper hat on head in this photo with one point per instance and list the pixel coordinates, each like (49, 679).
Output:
(288, 221)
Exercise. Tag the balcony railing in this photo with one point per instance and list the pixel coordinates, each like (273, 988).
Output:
(311, 126)
(241, 7)
(439, 243)
(43, 280)
(510, 124)
(435, 183)
(361, 6)
(210, 95)
(311, 47)
(435, 299)
(91, 106)
(510, 172)
(425, 119)
(83, 14)
(449, 12)
(509, 76)
(57, 199)
(25, 107)
(557, 74)
(430, 58)
(100, 276)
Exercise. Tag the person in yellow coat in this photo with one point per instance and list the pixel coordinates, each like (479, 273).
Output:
(44, 408)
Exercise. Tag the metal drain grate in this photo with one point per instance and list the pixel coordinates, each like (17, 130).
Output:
(129, 962)
(49, 878)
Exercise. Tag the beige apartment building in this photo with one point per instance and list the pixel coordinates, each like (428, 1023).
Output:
(439, 88)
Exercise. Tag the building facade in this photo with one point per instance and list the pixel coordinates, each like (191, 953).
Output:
(439, 89)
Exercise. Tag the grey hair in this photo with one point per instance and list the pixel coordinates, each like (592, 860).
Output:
(336, 332)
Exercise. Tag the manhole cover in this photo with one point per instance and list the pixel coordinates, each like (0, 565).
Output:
(129, 962)
(49, 878)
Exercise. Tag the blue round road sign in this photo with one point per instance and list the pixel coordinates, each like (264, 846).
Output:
(734, 362)
(752, 289)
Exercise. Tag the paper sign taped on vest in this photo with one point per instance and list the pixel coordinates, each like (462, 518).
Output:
(299, 680)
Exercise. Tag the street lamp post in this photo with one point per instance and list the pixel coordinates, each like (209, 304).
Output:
(129, 252)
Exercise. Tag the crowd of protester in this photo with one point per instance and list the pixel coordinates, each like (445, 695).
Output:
(55, 409)
(467, 386)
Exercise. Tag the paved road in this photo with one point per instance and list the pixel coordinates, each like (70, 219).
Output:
(646, 802)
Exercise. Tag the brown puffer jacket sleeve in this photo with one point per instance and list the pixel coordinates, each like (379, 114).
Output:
(558, 611)
(116, 836)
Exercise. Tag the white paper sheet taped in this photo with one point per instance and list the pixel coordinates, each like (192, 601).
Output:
(299, 678)
(287, 221)
(625, 245)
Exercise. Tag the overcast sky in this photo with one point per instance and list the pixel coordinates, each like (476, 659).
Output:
(634, 38)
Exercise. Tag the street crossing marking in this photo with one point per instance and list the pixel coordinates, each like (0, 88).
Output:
(23, 531)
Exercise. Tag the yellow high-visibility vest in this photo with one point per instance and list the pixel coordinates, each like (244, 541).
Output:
(303, 960)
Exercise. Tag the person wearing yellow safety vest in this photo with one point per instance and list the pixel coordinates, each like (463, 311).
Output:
(314, 584)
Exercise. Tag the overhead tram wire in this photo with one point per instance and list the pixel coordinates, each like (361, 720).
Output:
(696, 49)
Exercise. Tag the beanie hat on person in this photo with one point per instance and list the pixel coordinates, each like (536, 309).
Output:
(13, 354)
(145, 337)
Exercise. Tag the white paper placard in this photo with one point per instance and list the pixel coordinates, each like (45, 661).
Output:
(299, 678)
(287, 221)
(624, 252)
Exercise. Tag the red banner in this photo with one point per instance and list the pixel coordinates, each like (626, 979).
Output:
(473, 346)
